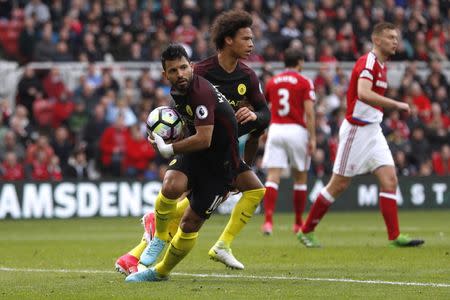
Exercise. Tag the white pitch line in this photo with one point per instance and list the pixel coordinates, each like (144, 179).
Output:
(344, 280)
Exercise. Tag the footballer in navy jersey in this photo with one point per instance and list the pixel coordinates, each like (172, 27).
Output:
(241, 88)
(202, 105)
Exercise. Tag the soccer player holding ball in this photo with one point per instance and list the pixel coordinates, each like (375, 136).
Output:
(232, 35)
(205, 165)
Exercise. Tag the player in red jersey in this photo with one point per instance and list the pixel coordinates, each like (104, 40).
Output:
(362, 145)
(291, 139)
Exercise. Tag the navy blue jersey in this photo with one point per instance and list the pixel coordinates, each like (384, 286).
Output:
(204, 105)
(241, 88)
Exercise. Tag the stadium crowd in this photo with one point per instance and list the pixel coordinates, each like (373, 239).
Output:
(54, 132)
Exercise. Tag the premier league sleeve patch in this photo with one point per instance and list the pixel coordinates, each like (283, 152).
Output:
(201, 112)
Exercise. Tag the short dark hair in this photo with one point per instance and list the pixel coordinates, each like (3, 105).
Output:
(292, 56)
(378, 29)
(227, 25)
(173, 52)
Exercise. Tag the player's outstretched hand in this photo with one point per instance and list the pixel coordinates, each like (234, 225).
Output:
(244, 115)
(402, 106)
(166, 150)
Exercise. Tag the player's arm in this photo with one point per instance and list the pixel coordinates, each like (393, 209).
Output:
(310, 125)
(368, 96)
(199, 141)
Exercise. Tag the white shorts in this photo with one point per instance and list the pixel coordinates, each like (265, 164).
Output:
(286, 146)
(362, 149)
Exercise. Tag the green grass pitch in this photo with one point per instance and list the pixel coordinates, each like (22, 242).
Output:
(73, 259)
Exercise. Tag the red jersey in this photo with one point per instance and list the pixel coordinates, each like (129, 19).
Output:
(370, 68)
(287, 93)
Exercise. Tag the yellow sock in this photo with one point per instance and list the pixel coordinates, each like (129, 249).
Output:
(164, 210)
(137, 251)
(175, 222)
(241, 214)
(180, 246)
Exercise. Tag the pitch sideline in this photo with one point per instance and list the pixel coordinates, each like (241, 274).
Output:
(343, 280)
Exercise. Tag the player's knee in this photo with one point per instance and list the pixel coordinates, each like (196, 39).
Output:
(338, 188)
(191, 223)
(390, 183)
(172, 189)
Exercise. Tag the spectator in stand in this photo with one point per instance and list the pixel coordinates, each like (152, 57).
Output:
(78, 119)
(54, 86)
(421, 101)
(93, 76)
(441, 161)
(94, 129)
(89, 48)
(319, 166)
(54, 169)
(45, 49)
(9, 144)
(11, 169)
(28, 89)
(77, 167)
(62, 52)
(186, 32)
(108, 83)
(27, 40)
(138, 153)
(41, 145)
(441, 98)
(113, 147)
(39, 10)
(121, 108)
(20, 124)
(420, 147)
(62, 145)
(37, 168)
(403, 167)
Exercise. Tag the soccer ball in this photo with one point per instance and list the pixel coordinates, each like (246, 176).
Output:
(165, 122)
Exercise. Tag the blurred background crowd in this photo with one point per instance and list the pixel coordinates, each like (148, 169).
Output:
(98, 128)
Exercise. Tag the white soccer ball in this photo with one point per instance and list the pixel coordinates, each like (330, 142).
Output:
(165, 122)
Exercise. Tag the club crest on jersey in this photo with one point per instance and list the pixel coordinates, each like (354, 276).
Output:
(382, 84)
(189, 110)
(241, 89)
(201, 112)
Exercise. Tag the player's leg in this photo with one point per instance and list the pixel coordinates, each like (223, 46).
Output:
(128, 263)
(299, 198)
(337, 185)
(252, 193)
(175, 183)
(180, 246)
(270, 198)
(388, 182)
(300, 161)
(275, 159)
(182, 243)
(205, 198)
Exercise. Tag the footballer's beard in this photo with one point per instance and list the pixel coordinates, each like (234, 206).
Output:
(182, 85)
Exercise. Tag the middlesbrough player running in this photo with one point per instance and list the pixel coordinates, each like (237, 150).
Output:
(232, 35)
(291, 139)
(206, 163)
(362, 145)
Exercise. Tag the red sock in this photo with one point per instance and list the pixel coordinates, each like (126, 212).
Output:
(316, 213)
(270, 198)
(299, 202)
(388, 207)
